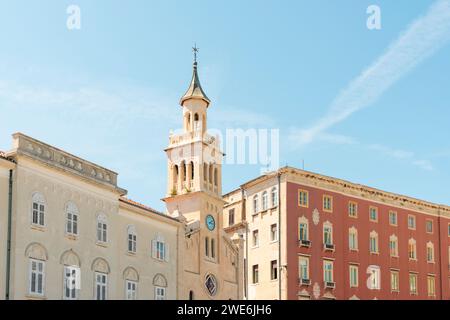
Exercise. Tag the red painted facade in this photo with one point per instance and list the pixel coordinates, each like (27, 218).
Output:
(343, 257)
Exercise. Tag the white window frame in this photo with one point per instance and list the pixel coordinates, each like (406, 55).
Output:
(255, 204)
(373, 242)
(328, 273)
(131, 239)
(353, 239)
(160, 293)
(274, 196)
(72, 220)
(327, 226)
(41, 207)
(274, 235)
(131, 290)
(101, 285)
(303, 267)
(71, 275)
(102, 229)
(353, 272)
(33, 277)
(264, 201)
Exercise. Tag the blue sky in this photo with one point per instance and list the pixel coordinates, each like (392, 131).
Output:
(109, 92)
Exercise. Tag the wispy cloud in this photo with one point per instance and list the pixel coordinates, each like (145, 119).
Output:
(420, 40)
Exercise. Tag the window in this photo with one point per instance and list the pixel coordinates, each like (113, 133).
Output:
(448, 231)
(327, 203)
(373, 242)
(303, 198)
(274, 193)
(231, 217)
(353, 270)
(273, 270)
(373, 214)
(102, 228)
(353, 239)
(71, 283)
(395, 281)
(411, 222)
(431, 285)
(392, 218)
(412, 249)
(36, 277)
(255, 273)
(131, 290)
(101, 283)
(413, 283)
(430, 252)
(255, 203)
(213, 249)
(160, 249)
(303, 267)
(353, 209)
(207, 246)
(71, 219)
(429, 226)
(393, 246)
(38, 210)
(327, 234)
(131, 238)
(273, 232)
(327, 271)
(160, 293)
(264, 201)
(303, 229)
(255, 237)
(374, 278)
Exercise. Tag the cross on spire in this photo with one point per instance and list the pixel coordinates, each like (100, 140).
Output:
(195, 51)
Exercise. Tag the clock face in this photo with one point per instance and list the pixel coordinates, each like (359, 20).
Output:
(210, 222)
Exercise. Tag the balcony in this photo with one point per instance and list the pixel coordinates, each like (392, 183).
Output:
(328, 247)
(304, 243)
(304, 282)
(329, 284)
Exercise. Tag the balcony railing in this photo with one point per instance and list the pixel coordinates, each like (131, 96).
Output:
(328, 246)
(304, 243)
(304, 282)
(330, 284)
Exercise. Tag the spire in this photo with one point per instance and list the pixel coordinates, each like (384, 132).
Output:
(195, 90)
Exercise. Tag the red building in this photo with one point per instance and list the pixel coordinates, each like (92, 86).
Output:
(341, 240)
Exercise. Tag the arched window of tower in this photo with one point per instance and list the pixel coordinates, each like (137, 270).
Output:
(215, 177)
(192, 170)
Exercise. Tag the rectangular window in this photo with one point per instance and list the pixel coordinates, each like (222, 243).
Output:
(395, 281)
(231, 217)
(273, 232)
(353, 209)
(353, 240)
(36, 277)
(327, 235)
(131, 290)
(160, 250)
(213, 249)
(160, 293)
(373, 244)
(375, 277)
(255, 272)
(413, 283)
(303, 267)
(101, 283)
(303, 196)
(72, 223)
(431, 284)
(207, 246)
(373, 214)
(411, 222)
(71, 283)
(102, 232)
(392, 218)
(429, 226)
(302, 231)
(353, 276)
(327, 203)
(131, 242)
(255, 237)
(328, 271)
(412, 251)
(430, 253)
(393, 247)
(273, 270)
(38, 213)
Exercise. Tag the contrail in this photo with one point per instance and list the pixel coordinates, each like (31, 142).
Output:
(416, 43)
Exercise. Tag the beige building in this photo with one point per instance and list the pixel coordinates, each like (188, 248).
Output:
(211, 261)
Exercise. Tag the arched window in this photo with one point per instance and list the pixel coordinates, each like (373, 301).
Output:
(264, 201)
(102, 228)
(38, 209)
(101, 271)
(188, 121)
(183, 172)
(327, 233)
(373, 242)
(430, 252)
(131, 239)
(71, 275)
(255, 203)
(192, 170)
(412, 249)
(274, 197)
(196, 124)
(131, 277)
(37, 255)
(213, 249)
(191, 295)
(175, 175)
(215, 177)
(211, 173)
(71, 219)
(393, 246)
(207, 246)
(353, 238)
(160, 284)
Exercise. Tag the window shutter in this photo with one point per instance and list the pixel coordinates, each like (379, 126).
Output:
(166, 252)
(154, 249)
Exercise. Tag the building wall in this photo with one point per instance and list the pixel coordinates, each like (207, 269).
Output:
(343, 257)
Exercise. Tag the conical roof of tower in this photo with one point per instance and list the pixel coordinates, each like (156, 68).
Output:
(195, 90)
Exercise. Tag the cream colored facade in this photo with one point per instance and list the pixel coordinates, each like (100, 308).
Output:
(212, 262)
(64, 184)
